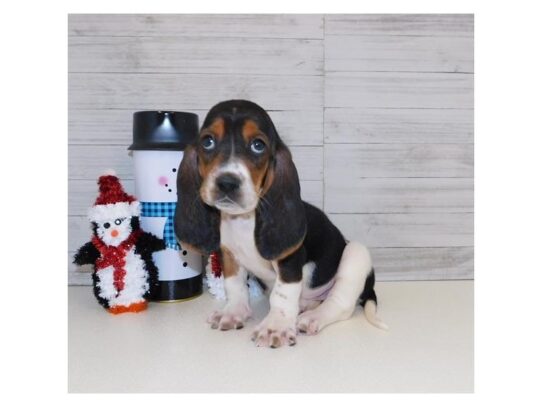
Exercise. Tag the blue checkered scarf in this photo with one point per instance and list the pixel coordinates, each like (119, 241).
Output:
(163, 210)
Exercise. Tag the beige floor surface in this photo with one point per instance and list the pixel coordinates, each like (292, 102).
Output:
(169, 348)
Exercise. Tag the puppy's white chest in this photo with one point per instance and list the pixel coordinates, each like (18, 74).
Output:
(237, 234)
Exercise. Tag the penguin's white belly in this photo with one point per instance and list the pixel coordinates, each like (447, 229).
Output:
(237, 235)
(136, 282)
(105, 284)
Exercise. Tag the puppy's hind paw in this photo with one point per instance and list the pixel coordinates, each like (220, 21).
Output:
(307, 323)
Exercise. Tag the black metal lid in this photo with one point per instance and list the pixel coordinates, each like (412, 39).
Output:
(163, 130)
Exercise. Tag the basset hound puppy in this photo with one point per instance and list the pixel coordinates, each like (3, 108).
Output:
(239, 195)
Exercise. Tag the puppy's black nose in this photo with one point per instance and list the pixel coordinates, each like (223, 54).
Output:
(228, 183)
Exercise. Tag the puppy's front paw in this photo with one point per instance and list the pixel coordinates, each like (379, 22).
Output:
(274, 331)
(232, 316)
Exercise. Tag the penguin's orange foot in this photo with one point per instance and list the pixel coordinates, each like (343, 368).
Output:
(135, 307)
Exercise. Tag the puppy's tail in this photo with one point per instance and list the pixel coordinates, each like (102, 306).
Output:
(368, 302)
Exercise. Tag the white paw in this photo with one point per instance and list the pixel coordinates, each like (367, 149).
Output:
(230, 317)
(308, 323)
(275, 330)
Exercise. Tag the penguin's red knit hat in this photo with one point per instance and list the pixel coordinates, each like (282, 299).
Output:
(112, 201)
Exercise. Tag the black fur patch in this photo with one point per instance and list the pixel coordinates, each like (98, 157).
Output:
(87, 254)
(368, 292)
(280, 216)
(324, 244)
(134, 223)
(290, 268)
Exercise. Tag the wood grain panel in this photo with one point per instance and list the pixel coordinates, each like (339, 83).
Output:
(435, 126)
(346, 53)
(433, 25)
(78, 275)
(351, 161)
(426, 263)
(398, 195)
(88, 162)
(79, 231)
(313, 192)
(399, 90)
(191, 91)
(408, 230)
(377, 109)
(195, 55)
(198, 25)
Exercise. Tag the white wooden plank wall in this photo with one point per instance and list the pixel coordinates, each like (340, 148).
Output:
(377, 109)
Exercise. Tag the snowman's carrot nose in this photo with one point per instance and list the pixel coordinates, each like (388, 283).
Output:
(114, 233)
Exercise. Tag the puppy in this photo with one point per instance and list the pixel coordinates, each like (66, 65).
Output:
(239, 195)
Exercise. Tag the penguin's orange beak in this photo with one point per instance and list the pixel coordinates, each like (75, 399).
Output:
(114, 233)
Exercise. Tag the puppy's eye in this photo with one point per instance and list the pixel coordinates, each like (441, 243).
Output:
(118, 221)
(208, 143)
(257, 146)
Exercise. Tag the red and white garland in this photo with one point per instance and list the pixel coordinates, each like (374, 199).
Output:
(215, 280)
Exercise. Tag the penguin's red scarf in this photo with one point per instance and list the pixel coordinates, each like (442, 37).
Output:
(115, 256)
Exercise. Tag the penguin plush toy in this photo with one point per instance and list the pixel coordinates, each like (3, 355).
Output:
(124, 276)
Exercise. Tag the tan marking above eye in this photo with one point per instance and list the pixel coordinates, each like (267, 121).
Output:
(251, 130)
(216, 129)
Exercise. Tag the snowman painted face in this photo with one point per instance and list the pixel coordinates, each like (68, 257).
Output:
(156, 172)
(113, 231)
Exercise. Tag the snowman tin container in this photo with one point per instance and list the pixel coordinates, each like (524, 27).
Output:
(159, 138)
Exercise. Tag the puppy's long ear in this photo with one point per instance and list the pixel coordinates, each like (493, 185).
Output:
(196, 223)
(280, 216)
